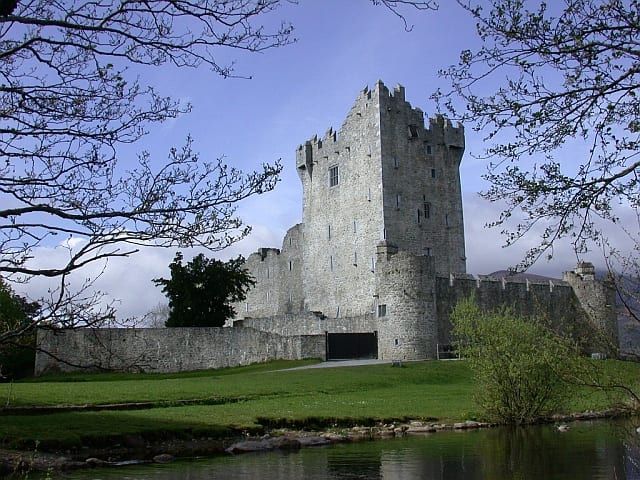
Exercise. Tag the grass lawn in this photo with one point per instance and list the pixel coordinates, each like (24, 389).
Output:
(250, 397)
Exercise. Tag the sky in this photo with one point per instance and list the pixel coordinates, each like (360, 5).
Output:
(298, 91)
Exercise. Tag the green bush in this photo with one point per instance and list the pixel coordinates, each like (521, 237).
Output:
(17, 360)
(519, 363)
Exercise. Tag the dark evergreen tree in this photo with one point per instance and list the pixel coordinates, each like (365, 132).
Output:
(201, 292)
(16, 315)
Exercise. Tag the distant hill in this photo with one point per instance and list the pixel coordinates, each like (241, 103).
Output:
(520, 276)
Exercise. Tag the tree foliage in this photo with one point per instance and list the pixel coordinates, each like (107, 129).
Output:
(17, 353)
(547, 76)
(201, 292)
(521, 366)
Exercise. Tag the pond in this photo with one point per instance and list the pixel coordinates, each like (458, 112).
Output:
(589, 450)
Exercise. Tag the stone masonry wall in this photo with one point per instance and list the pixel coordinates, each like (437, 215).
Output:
(168, 349)
(421, 182)
(342, 212)
(554, 300)
(383, 175)
(278, 276)
(407, 327)
(310, 324)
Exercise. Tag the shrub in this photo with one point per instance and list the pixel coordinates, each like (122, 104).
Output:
(519, 363)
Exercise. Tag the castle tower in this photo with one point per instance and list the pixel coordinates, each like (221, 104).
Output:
(598, 301)
(406, 311)
(382, 176)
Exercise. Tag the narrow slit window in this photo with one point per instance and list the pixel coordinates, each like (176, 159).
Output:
(355, 259)
(427, 209)
(397, 200)
(331, 263)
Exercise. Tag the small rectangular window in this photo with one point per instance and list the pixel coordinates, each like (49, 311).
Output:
(433, 173)
(333, 176)
(428, 149)
(395, 162)
(419, 215)
(413, 131)
(382, 310)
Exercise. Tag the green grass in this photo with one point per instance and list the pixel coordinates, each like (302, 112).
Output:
(251, 397)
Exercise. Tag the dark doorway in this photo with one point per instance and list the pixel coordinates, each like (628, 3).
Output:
(343, 346)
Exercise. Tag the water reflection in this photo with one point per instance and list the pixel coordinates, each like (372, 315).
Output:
(594, 450)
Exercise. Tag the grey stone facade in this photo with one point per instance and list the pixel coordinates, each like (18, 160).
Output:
(382, 238)
(166, 350)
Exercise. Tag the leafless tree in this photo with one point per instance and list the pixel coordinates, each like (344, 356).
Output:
(71, 97)
(544, 77)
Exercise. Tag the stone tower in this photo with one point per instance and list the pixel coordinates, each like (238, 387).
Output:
(383, 177)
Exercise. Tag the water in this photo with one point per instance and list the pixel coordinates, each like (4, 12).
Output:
(589, 450)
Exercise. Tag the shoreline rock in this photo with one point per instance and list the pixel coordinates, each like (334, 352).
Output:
(277, 439)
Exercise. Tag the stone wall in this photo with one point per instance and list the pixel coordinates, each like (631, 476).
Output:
(312, 324)
(407, 327)
(556, 301)
(168, 349)
(421, 182)
(382, 176)
(342, 212)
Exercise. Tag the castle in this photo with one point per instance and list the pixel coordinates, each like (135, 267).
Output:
(373, 270)
(379, 259)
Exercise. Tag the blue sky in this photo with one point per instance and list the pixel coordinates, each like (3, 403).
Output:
(301, 90)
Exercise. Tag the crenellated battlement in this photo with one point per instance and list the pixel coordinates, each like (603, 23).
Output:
(443, 131)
